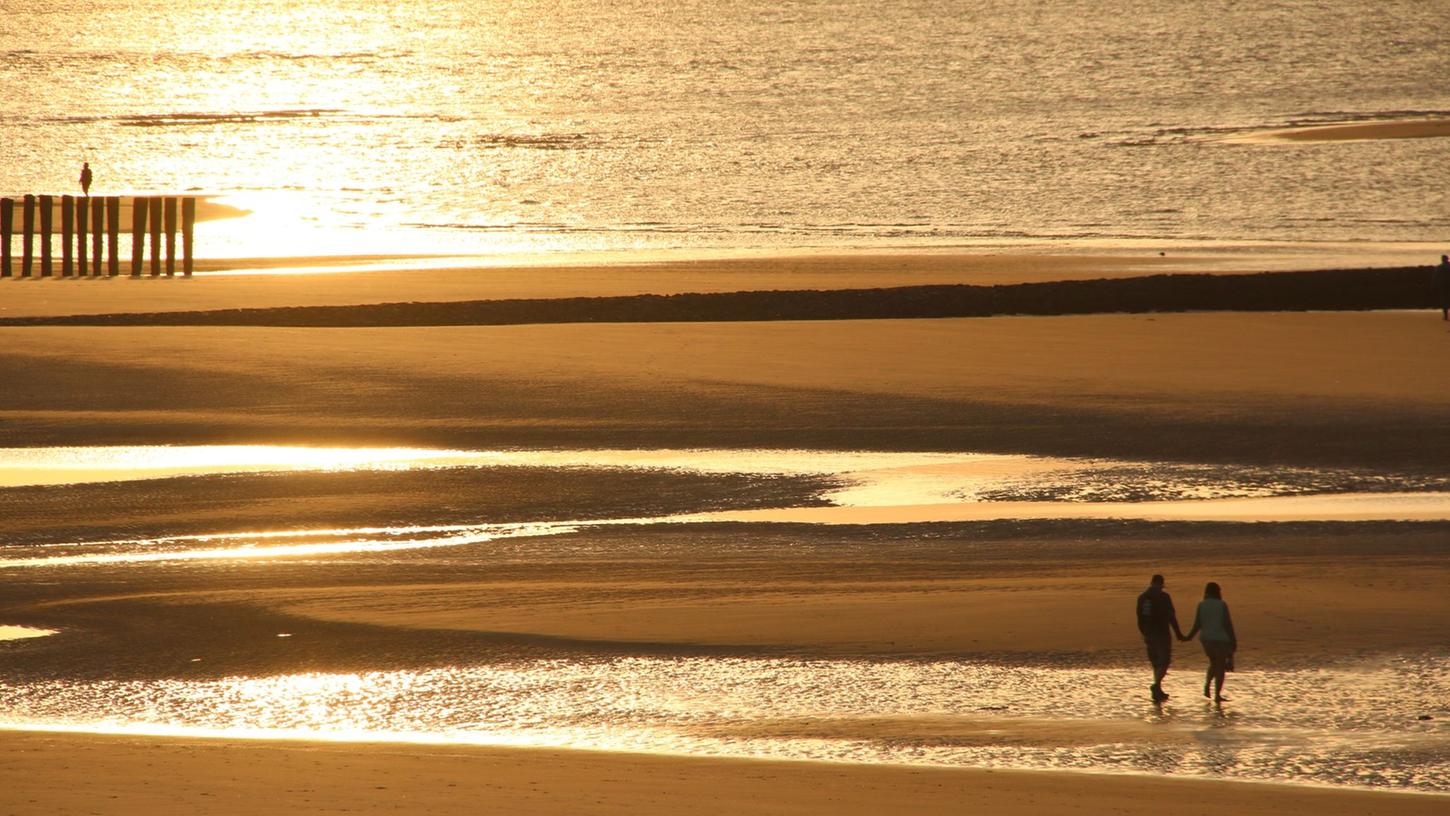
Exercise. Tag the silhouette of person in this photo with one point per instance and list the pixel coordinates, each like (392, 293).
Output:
(1158, 623)
(1217, 638)
(86, 178)
(1441, 281)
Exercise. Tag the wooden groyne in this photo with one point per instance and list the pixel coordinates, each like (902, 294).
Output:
(89, 235)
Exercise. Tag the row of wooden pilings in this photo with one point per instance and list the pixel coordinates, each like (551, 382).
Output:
(99, 220)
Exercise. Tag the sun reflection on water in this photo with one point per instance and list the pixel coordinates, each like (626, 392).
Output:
(949, 485)
(1351, 724)
(71, 465)
(874, 488)
(275, 544)
(22, 632)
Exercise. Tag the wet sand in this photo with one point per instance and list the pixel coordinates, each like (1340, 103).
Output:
(1307, 596)
(1269, 388)
(1005, 591)
(71, 774)
(1021, 592)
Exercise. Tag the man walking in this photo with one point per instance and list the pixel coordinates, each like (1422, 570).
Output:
(86, 179)
(1158, 623)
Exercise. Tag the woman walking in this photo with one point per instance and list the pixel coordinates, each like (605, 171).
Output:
(1218, 639)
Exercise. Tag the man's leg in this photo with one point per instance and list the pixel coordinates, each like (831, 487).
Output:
(1159, 655)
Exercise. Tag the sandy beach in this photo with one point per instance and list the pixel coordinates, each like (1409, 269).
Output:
(723, 408)
(1342, 390)
(66, 774)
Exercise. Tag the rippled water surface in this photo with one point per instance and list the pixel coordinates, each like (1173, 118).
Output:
(876, 487)
(273, 544)
(491, 126)
(1357, 724)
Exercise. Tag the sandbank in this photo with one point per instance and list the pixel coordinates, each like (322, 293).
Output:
(1357, 131)
(260, 283)
(397, 280)
(1344, 388)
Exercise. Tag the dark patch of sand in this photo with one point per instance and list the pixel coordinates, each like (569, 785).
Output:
(1353, 289)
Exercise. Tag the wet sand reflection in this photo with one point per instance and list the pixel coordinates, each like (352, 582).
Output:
(1354, 724)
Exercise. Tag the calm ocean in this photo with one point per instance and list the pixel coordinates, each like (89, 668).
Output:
(539, 125)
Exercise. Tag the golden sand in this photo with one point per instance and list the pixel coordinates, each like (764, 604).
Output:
(1352, 387)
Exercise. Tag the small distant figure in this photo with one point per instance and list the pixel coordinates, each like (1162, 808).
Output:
(1441, 281)
(1218, 638)
(1158, 623)
(86, 178)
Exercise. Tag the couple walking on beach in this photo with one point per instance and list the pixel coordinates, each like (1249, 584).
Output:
(1159, 623)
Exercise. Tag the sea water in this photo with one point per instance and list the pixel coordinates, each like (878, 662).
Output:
(1374, 723)
(485, 126)
(867, 487)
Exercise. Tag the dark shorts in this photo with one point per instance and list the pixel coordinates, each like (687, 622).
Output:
(1218, 650)
(1160, 650)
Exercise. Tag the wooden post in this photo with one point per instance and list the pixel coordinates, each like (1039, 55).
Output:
(47, 226)
(138, 234)
(171, 236)
(98, 232)
(188, 227)
(7, 226)
(67, 235)
(154, 216)
(27, 240)
(83, 234)
(113, 235)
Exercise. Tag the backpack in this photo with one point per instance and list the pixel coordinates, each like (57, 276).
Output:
(1147, 611)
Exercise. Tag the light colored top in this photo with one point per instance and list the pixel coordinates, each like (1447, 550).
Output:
(1213, 622)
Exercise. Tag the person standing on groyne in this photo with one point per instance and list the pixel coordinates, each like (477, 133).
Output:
(1441, 283)
(86, 178)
